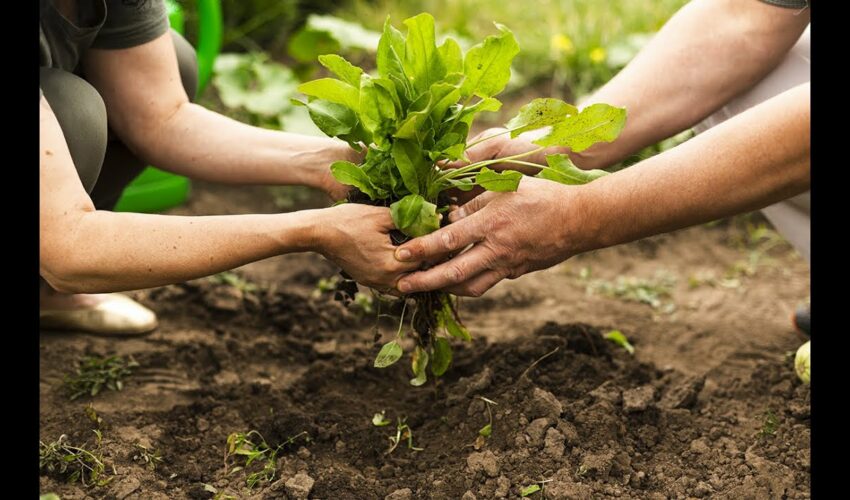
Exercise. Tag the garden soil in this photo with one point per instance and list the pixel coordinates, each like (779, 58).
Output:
(707, 407)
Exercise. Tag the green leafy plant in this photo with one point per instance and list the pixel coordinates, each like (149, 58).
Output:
(93, 374)
(75, 463)
(413, 117)
(258, 450)
(651, 291)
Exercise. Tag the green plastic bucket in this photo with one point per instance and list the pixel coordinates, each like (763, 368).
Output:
(155, 190)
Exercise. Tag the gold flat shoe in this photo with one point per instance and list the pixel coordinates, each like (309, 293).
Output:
(117, 314)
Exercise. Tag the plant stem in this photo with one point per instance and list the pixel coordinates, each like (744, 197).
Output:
(401, 322)
(479, 141)
(451, 174)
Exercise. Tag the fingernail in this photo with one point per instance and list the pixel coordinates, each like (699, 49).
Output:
(403, 286)
(402, 254)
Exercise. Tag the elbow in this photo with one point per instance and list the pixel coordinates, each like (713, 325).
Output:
(62, 277)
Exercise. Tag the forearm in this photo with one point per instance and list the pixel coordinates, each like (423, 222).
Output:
(748, 162)
(102, 251)
(202, 144)
(709, 52)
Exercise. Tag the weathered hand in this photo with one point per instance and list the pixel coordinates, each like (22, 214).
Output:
(511, 234)
(356, 237)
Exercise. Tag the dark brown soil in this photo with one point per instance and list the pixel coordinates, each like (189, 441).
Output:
(708, 407)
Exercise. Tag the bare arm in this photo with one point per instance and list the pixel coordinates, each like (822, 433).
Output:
(750, 161)
(86, 250)
(149, 110)
(709, 52)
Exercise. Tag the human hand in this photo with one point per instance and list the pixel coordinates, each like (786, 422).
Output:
(356, 237)
(325, 179)
(511, 234)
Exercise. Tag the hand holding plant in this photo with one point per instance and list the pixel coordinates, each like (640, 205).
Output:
(415, 114)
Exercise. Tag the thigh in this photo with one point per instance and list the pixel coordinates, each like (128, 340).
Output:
(81, 113)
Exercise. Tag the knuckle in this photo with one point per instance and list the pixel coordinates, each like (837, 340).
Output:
(455, 274)
(448, 239)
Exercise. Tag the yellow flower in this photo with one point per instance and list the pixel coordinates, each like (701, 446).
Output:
(561, 44)
(597, 55)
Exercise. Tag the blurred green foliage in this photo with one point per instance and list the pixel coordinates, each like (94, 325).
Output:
(568, 47)
(576, 45)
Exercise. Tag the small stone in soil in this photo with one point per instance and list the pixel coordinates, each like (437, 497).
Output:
(638, 399)
(299, 486)
(536, 431)
(485, 461)
(543, 404)
(401, 494)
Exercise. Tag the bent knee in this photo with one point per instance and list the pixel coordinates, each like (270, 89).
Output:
(81, 114)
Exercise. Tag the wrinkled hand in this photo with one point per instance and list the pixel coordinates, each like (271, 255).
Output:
(511, 234)
(356, 237)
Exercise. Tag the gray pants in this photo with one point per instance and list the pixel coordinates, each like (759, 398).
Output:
(104, 163)
(792, 217)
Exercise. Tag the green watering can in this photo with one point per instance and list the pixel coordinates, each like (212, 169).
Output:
(155, 190)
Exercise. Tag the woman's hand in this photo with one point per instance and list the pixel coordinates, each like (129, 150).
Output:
(356, 237)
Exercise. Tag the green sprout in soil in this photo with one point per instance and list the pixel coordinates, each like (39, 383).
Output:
(412, 118)
(218, 495)
(531, 489)
(402, 432)
(230, 278)
(650, 291)
(75, 463)
(151, 458)
(770, 425)
(93, 374)
(617, 337)
(485, 432)
(380, 420)
(240, 445)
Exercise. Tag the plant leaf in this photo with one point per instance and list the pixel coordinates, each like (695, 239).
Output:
(539, 113)
(390, 54)
(422, 62)
(595, 123)
(411, 164)
(348, 72)
(389, 354)
(419, 363)
(333, 119)
(505, 181)
(617, 337)
(488, 65)
(333, 90)
(528, 490)
(486, 431)
(352, 175)
(442, 356)
(452, 56)
(561, 169)
(414, 216)
(377, 106)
